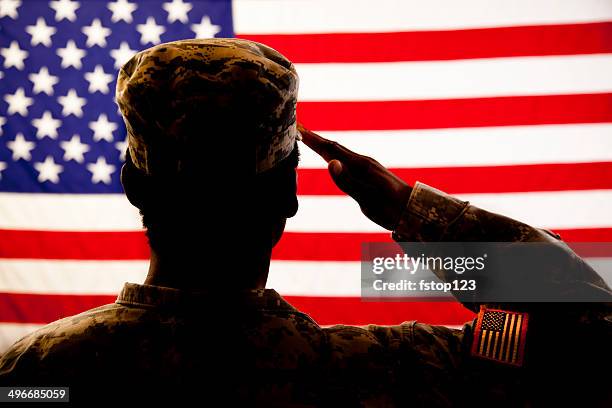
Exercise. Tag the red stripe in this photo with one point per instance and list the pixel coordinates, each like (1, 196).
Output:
(328, 311)
(457, 113)
(294, 246)
(34, 308)
(592, 250)
(485, 179)
(567, 39)
(106, 246)
(585, 234)
(324, 246)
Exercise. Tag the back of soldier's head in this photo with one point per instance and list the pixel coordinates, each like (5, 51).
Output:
(197, 113)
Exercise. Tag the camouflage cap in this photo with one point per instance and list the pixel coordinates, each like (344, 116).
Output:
(176, 96)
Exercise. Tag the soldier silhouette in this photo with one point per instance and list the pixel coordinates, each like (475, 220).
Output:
(204, 328)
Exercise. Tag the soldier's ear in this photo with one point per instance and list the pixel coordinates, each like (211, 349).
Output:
(290, 198)
(135, 184)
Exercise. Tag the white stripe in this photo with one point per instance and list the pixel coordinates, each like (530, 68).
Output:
(297, 278)
(68, 212)
(11, 332)
(603, 266)
(312, 16)
(565, 209)
(69, 277)
(289, 278)
(560, 209)
(315, 278)
(484, 146)
(491, 77)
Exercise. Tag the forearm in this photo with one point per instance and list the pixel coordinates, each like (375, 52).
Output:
(431, 215)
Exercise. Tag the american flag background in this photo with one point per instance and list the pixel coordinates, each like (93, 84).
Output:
(507, 104)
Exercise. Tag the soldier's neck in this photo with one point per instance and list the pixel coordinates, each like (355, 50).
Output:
(205, 272)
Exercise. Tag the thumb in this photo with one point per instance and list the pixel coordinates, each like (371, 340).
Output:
(341, 177)
(335, 168)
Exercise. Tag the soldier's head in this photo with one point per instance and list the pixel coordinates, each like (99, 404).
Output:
(197, 113)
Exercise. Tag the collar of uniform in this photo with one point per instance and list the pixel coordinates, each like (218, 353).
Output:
(150, 296)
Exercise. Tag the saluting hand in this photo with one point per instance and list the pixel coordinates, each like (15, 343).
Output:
(380, 194)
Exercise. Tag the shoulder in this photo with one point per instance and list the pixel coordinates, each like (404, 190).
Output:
(43, 347)
(72, 327)
(406, 362)
(410, 334)
(367, 346)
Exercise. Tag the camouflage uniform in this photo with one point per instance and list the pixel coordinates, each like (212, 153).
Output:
(255, 348)
(252, 347)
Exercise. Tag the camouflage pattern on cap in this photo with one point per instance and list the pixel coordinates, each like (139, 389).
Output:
(176, 96)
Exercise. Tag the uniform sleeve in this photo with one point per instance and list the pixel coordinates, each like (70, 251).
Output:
(433, 216)
(563, 338)
(407, 364)
(21, 365)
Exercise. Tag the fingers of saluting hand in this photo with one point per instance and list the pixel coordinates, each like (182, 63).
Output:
(344, 179)
(325, 148)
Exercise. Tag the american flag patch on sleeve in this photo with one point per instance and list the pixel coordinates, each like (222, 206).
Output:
(500, 336)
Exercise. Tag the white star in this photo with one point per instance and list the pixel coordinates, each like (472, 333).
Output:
(18, 102)
(13, 56)
(21, 148)
(72, 104)
(64, 9)
(9, 8)
(102, 128)
(122, 54)
(150, 32)
(43, 82)
(46, 125)
(122, 147)
(122, 10)
(177, 11)
(206, 29)
(98, 80)
(96, 33)
(41, 33)
(48, 170)
(101, 171)
(71, 55)
(74, 149)
(2, 167)
(2, 122)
